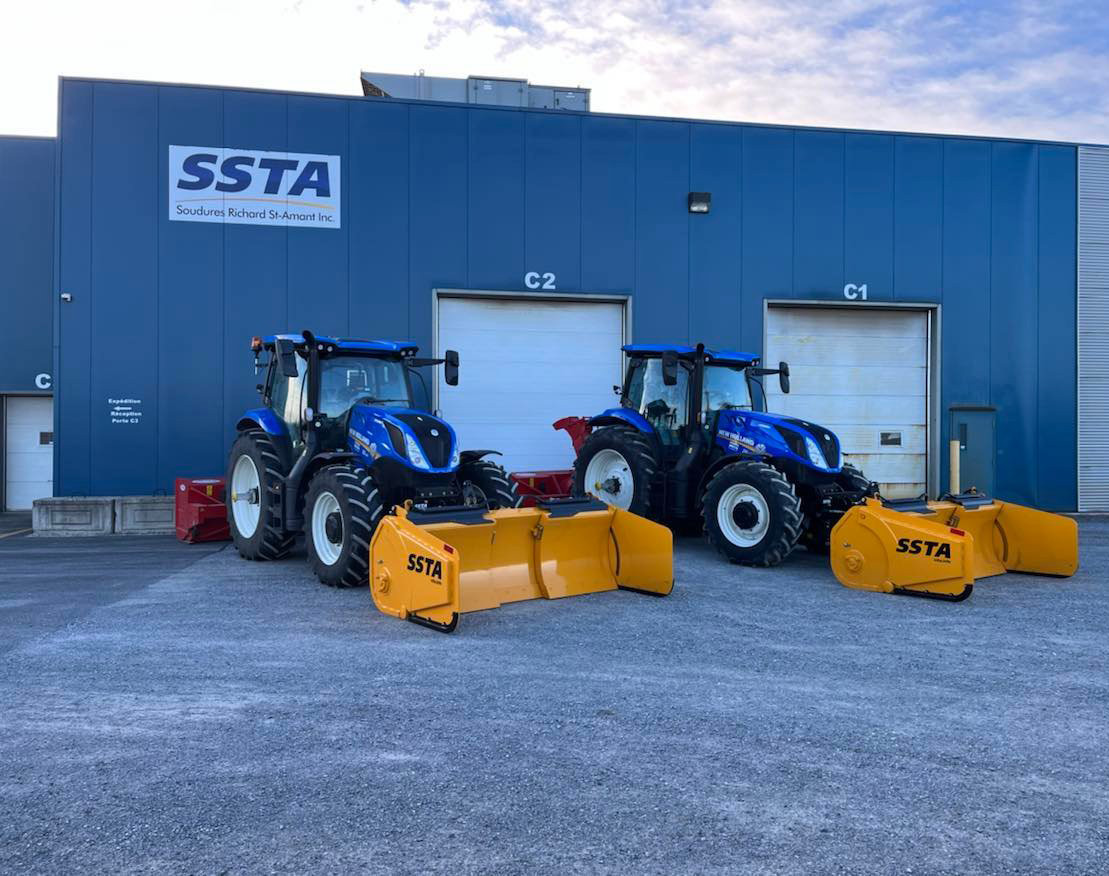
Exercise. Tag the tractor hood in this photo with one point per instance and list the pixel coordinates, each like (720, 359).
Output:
(779, 436)
(414, 438)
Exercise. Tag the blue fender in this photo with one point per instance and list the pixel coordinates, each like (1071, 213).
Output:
(623, 417)
(264, 418)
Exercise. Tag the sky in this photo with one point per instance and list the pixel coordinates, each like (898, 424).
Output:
(997, 67)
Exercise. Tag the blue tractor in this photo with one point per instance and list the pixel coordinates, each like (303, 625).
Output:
(688, 441)
(336, 444)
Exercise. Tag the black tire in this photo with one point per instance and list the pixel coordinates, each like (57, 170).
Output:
(640, 460)
(782, 528)
(348, 528)
(487, 484)
(269, 541)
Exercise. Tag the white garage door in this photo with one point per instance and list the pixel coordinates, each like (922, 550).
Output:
(863, 373)
(524, 364)
(28, 451)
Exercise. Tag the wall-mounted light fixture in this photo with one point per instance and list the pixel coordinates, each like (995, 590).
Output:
(699, 202)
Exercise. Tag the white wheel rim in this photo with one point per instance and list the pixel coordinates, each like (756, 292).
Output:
(609, 477)
(246, 504)
(326, 549)
(731, 499)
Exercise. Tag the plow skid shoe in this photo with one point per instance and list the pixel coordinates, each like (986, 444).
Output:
(941, 548)
(431, 567)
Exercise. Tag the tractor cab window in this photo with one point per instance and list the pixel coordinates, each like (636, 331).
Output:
(664, 407)
(288, 395)
(726, 388)
(346, 379)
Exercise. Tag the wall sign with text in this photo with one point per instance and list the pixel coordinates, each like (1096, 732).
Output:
(248, 187)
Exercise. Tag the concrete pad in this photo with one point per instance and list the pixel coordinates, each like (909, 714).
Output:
(144, 515)
(74, 515)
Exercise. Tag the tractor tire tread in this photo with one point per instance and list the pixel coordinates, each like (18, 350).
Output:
(274, 543)
(788, 507)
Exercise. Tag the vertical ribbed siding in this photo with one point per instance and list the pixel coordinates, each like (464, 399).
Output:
(1093, 328)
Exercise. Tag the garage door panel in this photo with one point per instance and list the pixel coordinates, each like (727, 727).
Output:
(860, 372)
(864, 322)
(892, 410)
(856, 351)
(28, 463)
(868, 439)
(524, 364)
(856, 381)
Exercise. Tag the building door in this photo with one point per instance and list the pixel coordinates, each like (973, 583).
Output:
(526, 362)
(864, 373)
(973, 428)
(28, 451)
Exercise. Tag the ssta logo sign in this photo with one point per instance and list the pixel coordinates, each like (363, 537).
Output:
(249, 187)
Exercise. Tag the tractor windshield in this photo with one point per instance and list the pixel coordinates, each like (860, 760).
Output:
(665, 407)
(726, 388)
(346, 379)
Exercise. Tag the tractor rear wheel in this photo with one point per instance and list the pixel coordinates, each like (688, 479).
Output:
(618, 466)
(486, 484)
(254, 477)
(341, 510)
(752, 514)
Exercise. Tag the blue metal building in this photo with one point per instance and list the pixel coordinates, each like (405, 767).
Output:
(152, 363)
(26, 315)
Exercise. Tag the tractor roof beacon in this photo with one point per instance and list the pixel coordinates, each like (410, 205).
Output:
(337, 442)
(690, 437)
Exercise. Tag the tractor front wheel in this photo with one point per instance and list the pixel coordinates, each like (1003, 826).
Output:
(254, 477)
(618, 466)
(752, 514)
(485, 484)
(342, 509)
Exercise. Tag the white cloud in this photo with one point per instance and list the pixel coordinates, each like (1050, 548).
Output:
(1014, 68)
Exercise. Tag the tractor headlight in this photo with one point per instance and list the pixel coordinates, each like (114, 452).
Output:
(456, 457)
(415, 454)
(815, 456)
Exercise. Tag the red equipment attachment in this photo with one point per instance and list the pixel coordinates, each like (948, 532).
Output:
(577, 428)
(199, 510)
(535, 485)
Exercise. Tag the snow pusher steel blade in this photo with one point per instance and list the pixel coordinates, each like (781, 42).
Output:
(431, 566)
(939, 549)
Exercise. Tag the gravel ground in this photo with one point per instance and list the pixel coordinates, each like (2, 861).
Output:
(207, 714)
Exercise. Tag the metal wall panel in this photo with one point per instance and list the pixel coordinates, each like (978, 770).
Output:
(662, 230)
(461, 197)
(27, 262)
(608, 226)
(868, 212)
(552, 199)
(714, 257)
(818, 214)
(1093, 329)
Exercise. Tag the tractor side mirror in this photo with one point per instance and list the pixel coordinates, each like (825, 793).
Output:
(450, 367)
(670, 368)
(286, 357)
(783, 376)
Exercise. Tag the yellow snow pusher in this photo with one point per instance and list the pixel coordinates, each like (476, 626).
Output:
(430, 566)
(938, 549)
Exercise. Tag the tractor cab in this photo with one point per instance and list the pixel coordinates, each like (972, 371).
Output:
(323, 382)
(692, 438)
(662, 383)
